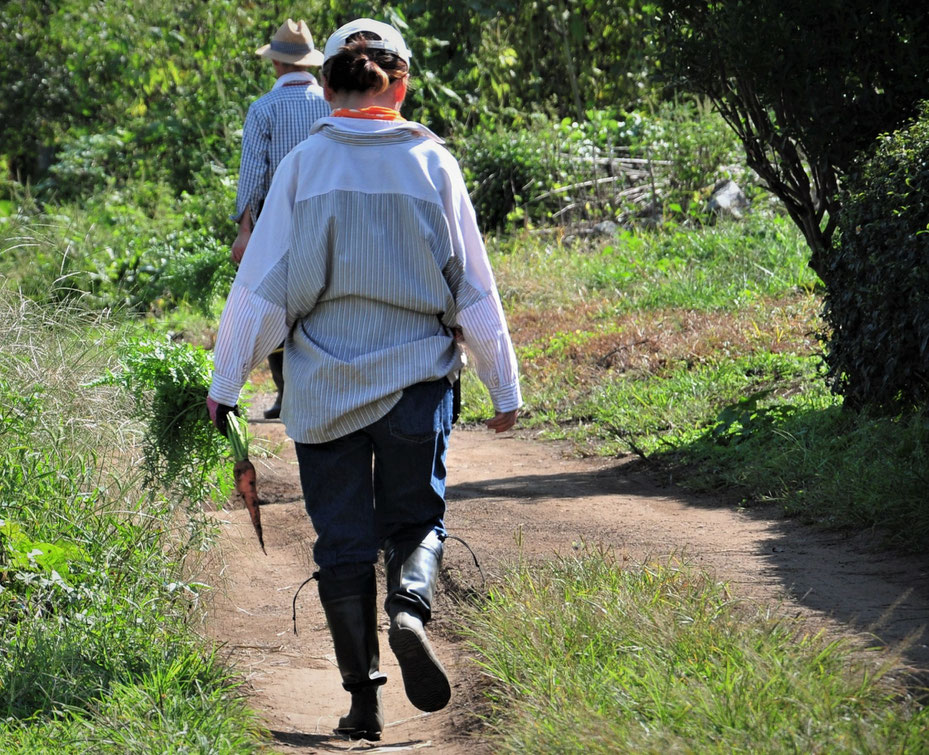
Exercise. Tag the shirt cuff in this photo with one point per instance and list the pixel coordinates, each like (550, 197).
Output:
(506, 398)
(225, 390)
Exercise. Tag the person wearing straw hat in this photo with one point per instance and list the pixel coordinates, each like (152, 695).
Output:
(369, 261)
(275, 124)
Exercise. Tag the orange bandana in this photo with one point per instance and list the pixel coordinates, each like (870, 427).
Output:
(371, 113)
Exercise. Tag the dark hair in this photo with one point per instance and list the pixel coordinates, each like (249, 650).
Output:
(356, 68)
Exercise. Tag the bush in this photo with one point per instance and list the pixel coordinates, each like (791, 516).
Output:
(504, 169)
(609, 165)
(877, 303)
(695, 148)
(87, 164)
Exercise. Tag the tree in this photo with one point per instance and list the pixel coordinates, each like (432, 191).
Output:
(805, 85)
(507, 59)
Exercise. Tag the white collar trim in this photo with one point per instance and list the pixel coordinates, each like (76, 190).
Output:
(374, 127)
(294, 76)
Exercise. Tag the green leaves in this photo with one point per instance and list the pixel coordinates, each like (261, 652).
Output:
(168, 382)
(22, 558)
(238, 436)
(877, 303)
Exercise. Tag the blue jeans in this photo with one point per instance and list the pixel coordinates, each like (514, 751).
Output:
(354, 507)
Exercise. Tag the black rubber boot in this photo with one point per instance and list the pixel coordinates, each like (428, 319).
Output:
(276, 366)
(412, 572)
(349, 598)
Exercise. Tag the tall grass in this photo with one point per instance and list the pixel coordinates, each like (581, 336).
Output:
(96, 651)
(588, 655)
(719, 267)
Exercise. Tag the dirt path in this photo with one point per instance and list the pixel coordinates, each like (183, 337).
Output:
(508, 493)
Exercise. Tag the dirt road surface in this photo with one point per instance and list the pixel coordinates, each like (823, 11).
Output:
(510, 494)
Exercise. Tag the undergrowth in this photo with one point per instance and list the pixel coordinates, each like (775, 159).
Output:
(97, 653)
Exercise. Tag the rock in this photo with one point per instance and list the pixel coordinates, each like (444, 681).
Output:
(605, 228)
(728, 200)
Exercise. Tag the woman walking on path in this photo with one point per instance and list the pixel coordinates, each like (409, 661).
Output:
(368, 259)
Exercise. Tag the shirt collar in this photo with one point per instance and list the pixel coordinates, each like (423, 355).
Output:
(374, 127)
(294, 76)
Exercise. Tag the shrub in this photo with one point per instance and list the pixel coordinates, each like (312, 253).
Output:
(610, 164)
(877, 303)
(87, 164)
(695, 148)
(503, 169)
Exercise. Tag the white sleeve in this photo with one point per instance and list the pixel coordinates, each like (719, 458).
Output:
(480, 313)
(254, 319)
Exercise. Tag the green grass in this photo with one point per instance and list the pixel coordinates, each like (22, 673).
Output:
(820, 464)
(711, 268)
(96, 580)
(699, 350)
(587, 655)
(109, 253)
(679, 403)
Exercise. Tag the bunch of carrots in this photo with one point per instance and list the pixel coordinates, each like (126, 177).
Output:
(168, 381)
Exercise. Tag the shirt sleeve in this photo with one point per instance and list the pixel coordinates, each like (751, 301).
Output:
(254, 320)
(480, 312)
(255, 164)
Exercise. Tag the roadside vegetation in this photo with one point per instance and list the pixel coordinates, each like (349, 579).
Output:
(588, 654)
(647, 325)
(701, 351)
(98, 570)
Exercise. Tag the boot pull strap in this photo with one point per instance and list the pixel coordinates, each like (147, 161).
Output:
(314, 575)
(446, 536)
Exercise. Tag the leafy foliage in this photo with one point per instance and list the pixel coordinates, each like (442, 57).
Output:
(878, 304)
(610, 165)
(490, 62)
(172, 80)
(504, 170)
(169, 382)
(153, 75)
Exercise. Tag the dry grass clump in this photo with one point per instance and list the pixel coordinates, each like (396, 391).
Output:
(581, 341)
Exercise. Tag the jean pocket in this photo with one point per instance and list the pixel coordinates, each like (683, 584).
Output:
(420, 413)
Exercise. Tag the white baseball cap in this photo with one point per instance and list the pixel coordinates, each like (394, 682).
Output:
(389, 38)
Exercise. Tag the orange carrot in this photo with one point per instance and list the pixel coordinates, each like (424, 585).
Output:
(244, 472)
(245, 477)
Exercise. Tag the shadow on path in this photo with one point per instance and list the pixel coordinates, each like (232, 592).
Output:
(880, 596)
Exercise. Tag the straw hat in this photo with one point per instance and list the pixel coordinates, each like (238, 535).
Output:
(292, 44)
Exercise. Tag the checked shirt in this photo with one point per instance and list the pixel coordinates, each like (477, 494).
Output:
(274, 125)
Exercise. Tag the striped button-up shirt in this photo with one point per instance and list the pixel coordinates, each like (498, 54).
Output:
(365, 257)
(275, 123)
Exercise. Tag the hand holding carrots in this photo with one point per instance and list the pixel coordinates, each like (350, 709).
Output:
(244, 470)
(219, 414)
